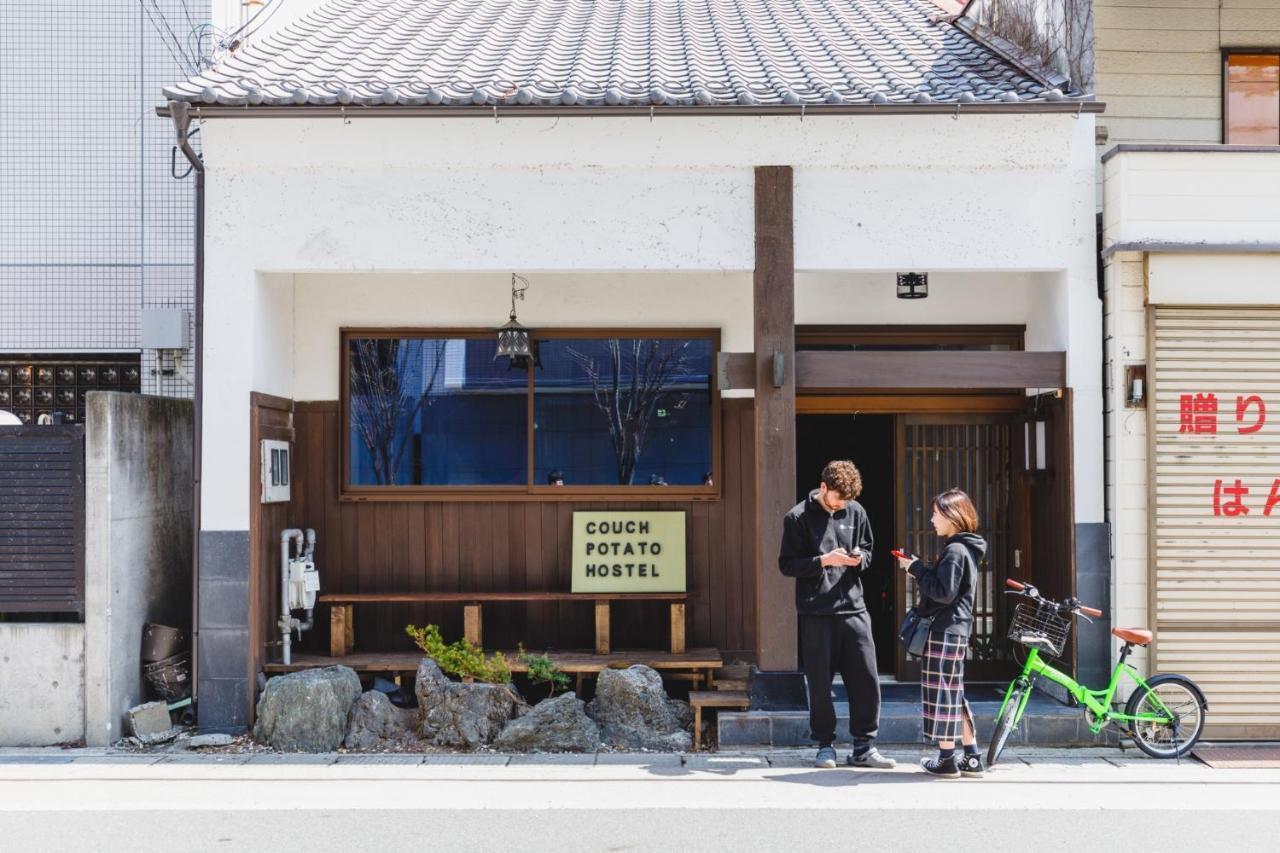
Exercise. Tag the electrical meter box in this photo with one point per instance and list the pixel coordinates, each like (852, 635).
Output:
(275, 471)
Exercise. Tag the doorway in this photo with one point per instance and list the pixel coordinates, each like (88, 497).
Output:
(906, 457)
(867, 440)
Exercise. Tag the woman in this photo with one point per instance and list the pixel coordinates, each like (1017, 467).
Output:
(946, 597)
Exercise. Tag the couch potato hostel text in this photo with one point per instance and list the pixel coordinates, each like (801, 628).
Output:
(628, 552)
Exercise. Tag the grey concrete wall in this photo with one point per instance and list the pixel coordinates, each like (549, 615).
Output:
(41, 683)
(137, 544)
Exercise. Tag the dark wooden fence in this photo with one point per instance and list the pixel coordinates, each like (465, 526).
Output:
(42, 519)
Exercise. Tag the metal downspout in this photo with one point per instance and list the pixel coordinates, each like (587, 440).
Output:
(181, 114)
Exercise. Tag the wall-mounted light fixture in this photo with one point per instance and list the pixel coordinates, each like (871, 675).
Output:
(514, 342)
(913, 285)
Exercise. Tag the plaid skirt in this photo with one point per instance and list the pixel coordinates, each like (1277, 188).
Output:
(942, 687)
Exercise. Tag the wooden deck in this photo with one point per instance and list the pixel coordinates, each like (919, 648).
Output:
(574, 662)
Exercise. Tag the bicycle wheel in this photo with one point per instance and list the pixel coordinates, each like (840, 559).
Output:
(1004, 725)
(1176, 738)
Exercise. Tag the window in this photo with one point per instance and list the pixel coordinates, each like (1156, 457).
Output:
(1252, 101)
(434, 413)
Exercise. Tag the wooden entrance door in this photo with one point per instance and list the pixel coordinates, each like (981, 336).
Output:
(981, 454)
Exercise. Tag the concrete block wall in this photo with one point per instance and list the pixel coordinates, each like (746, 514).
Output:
(41, 683)
(138, 544)
(1125, 324)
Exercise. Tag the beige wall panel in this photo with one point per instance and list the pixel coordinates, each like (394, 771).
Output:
(1170, 41)
(1159, 85)
(1156, 62)
(1145, 18)
(1196, 108)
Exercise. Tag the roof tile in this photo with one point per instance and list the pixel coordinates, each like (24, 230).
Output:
(617, 52)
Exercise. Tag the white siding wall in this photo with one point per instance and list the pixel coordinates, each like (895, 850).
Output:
(1125, 321)
(1220, 196)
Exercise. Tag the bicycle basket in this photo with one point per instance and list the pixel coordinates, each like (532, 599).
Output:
(1039, 625)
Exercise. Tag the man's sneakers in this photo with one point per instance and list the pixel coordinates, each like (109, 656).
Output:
(871, 759)
(970, 766)
(943, 768)
(826, 759)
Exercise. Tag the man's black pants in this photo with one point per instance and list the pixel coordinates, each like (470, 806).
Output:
(841, 644)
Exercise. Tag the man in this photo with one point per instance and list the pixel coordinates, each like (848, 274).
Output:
(826, 544)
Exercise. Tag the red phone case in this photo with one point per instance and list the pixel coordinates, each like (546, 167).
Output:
(903, 554)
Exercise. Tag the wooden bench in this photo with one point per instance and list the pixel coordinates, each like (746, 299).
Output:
(701, 662)
(699, 699)
(342, 617)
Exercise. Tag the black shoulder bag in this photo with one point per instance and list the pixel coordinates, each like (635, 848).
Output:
(914, 632)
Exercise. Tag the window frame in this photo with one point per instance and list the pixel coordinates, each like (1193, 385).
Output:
(1227, 53)
(531, 490)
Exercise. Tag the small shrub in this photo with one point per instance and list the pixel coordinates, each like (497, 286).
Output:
(461, 658)
(543, 670)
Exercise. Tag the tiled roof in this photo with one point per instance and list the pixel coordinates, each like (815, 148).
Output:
(566, 53)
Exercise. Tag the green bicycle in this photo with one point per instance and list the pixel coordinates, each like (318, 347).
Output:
(1164, 716)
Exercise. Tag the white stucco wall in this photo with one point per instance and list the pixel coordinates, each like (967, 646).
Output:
(606, 196)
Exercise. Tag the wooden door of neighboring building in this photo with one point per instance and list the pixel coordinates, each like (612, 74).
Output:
(981, 454)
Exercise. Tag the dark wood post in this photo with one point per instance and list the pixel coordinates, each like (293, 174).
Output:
(773, 307)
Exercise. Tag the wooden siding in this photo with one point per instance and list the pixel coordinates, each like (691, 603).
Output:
(509, 545)
(1159, 63)
(270, 418)
(42, 519)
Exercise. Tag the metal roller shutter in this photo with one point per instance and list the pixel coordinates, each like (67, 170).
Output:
(1215, 487)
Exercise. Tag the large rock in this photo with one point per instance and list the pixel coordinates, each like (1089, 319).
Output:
(466, 715)
(377, 724)
(307, 711)
(554, 725)
(633, 711)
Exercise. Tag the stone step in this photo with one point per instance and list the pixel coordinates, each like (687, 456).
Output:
(1045, 723)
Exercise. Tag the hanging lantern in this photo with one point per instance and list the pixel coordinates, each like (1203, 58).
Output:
(913, 285)
(514, 342)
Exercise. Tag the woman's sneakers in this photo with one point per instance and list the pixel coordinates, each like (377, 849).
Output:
(970, 765)
(943, 768)
(949, 765)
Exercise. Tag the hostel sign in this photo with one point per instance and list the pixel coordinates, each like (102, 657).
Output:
(628, 551)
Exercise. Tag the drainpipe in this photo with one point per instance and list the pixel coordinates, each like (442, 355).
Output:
(180, 112)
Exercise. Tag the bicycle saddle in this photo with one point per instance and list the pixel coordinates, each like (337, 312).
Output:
(1137, 636)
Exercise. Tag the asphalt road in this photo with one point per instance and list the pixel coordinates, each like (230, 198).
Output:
(641, 803)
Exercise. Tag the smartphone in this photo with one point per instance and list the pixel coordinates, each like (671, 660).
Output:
(899, 553)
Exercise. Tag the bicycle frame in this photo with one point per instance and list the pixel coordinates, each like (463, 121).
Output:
(1097, 701)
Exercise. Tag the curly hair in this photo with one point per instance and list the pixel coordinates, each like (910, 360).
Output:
(842, 477)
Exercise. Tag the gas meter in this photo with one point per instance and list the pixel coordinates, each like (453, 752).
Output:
(304, 583)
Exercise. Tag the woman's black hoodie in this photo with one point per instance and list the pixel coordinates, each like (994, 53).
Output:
(946, 588)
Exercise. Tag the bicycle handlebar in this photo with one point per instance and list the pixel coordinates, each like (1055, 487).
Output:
(1070, 604)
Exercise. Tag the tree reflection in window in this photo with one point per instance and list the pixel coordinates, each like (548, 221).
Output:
(391, 384)
(622, 411)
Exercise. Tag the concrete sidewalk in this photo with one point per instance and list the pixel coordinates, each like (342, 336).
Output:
(77, 800)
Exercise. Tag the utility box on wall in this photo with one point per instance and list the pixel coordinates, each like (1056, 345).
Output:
(275, 471)
(165, 328)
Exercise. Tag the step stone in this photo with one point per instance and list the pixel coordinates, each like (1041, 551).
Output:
(900, 723)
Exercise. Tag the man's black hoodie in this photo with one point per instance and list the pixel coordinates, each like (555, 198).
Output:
(946, 587)
(808, 532)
